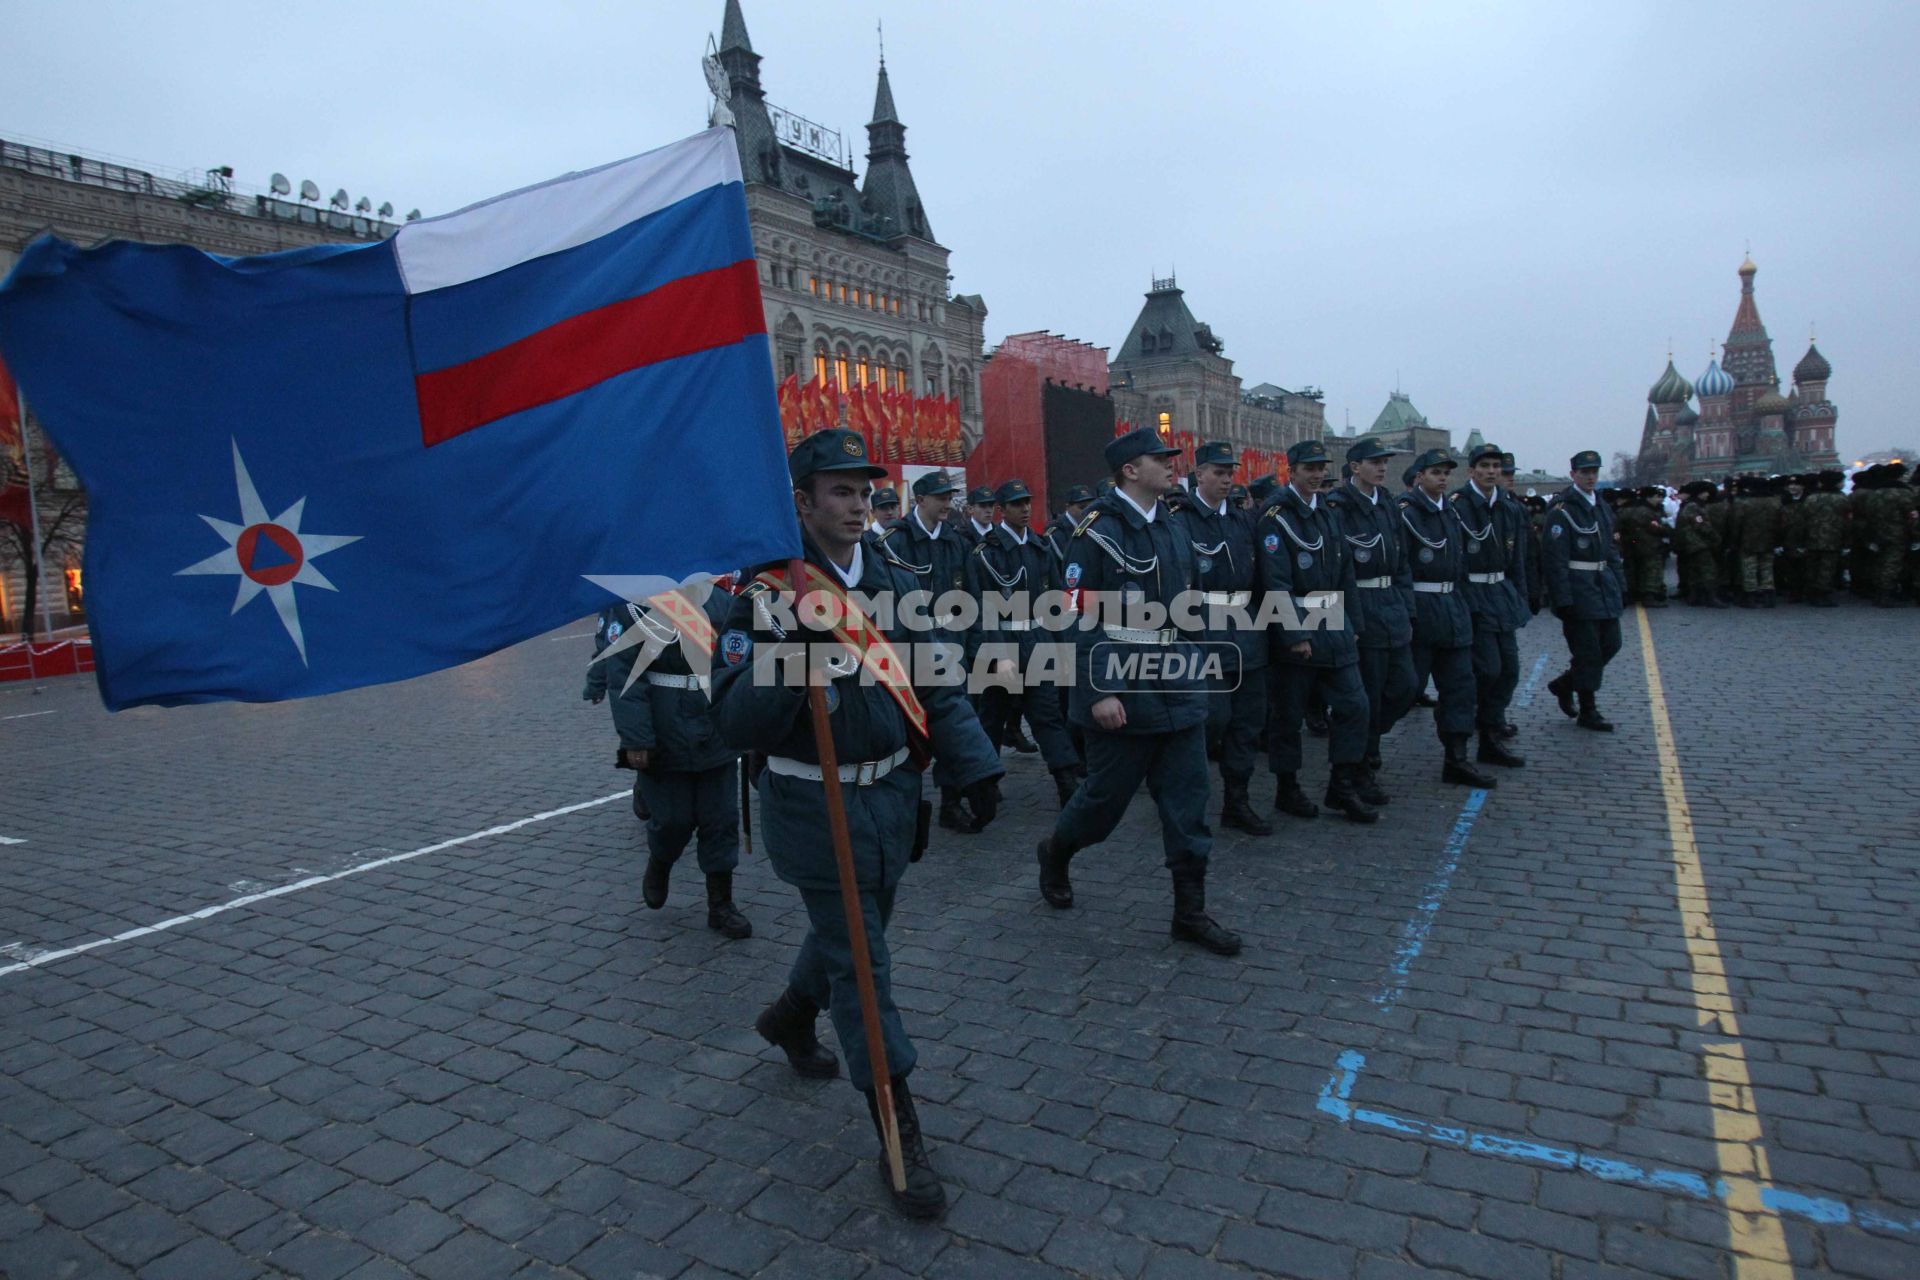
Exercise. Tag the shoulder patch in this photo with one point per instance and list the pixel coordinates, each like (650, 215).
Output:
(1086, 523)
(754, 588)
(1271, 513)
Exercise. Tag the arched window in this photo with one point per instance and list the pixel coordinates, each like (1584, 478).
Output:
(820, 363)
(840, 368)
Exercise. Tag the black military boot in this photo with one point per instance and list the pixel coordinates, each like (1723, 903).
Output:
(1561, 687)
(1054, 885)
(953, 813)
(1017, 738)
(653, 885)
(1343, 793)
(924, 1196)
(1366, 785)
(1065, 781)
(1237, 813)
(1457, 769)
(722, 916)
(1373, 762)
(1508, 730)
(1590, 717)
(1191, 923)
(1289, 798)
(1769, 599)
(787, 1025)
(1494, 751)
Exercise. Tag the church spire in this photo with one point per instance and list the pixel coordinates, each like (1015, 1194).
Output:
(733, 29)
(889, 191)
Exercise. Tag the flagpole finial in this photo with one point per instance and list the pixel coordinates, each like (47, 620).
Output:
(880, 30)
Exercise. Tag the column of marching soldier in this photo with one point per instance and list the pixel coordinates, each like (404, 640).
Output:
(1386, 590)
(1749, 539)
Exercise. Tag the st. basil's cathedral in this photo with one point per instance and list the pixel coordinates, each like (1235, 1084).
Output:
(1743, 426)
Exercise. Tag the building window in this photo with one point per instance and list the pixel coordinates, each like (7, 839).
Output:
(863, 371)
(820, 366)
(843, 292)
(813, 285)
(1166, 423)
(789, 364)
(900, 376)
(840, 367)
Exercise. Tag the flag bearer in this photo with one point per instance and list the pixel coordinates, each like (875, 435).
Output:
(881, 731)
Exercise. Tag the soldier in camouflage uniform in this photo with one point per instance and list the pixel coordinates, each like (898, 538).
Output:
(1696, 541)
(1886, 517)
(1756, 531)
(1643, 545)
(1793, 535)
(1814, 538)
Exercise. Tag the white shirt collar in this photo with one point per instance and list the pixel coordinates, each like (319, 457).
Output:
(1373, 497)
(982, 529)
(933, 533)
(1488, 498)
(1593, 499)
(1146, 513)
(1221, 510)
(851, 574)
(1020, 541)
(1439, 504)
(1312, 500)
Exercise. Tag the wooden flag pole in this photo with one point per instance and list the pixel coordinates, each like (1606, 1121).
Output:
(856, 919)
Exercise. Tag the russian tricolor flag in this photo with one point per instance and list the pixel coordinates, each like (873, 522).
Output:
(473, 423)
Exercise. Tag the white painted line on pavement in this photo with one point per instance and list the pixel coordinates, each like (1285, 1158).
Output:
(10, 840)
(577, 635)
(28, 715)
(174, 922)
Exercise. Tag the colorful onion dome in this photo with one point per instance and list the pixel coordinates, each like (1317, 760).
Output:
(1770, 402)
(1715, 381)
(1813, 366)
(1671, 389)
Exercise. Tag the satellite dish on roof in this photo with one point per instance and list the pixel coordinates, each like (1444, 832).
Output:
(280, 186)
(363, 205)
(339, 199)
(386, 210)
(309, 189)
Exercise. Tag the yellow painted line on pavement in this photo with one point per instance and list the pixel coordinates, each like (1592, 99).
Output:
(1753, 1230)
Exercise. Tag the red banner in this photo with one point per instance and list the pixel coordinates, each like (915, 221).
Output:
(15, 506)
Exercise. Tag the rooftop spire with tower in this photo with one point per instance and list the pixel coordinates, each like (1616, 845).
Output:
(889, 190)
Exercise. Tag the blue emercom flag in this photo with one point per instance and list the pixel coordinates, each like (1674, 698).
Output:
(337, 466)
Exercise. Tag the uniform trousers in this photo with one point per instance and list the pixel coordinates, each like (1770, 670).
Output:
(1000, 712)
(1496, 672)
(681, 804)
(1348, 713)
(1591, 644)
(1388, 677)
(823, 972)
(1756, 572)
(1452, 672)
(1234, 722)
(1174, 767)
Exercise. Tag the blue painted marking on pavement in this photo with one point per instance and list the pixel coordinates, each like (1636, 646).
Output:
(1413, 936)
(1525, 697)
(1336, 1100)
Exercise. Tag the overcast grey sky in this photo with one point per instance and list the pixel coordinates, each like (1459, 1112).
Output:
(1509, 206)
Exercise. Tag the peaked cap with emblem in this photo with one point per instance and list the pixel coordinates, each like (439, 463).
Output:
(833, 449)
(1140, 443)
(1484, 450)
(1435, 458)
(1366, 449)
(1078, 493)
(1585, 460)
(980, 497)
(1215, 451)
(1307, 451)
(884, 498)
(1011, 491)
(935, 482)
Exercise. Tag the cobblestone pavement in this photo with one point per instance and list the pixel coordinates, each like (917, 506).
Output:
(1528, 1033)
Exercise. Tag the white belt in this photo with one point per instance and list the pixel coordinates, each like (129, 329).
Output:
(1134, 635)
(1317, 599)
(1488, 578)
(666, 681)
(1587, 566)
(1231, 599)
(864, 774)
(1374, 582)
(1019, 624)
(1434, 588)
